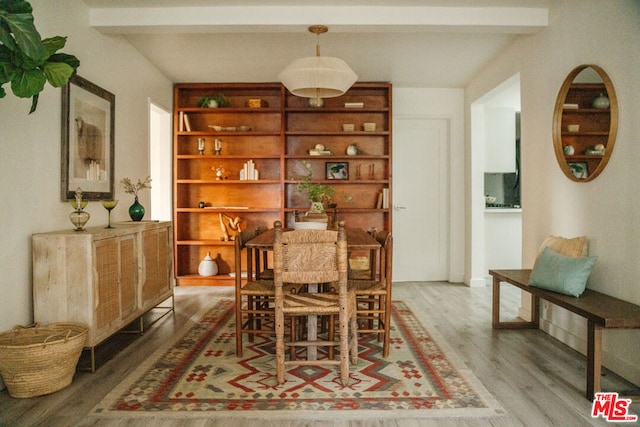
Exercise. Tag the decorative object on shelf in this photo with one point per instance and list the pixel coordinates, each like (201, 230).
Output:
(79, 217)
(348, 127)
(369, 127)
(317, 194)
(319, 150)
(215, 101)
(201, 146)
(372, 171)
(316, 102)
(337, 170)
(230, 128)
(573, 128)
(28, 62)
(217, 146)
(136, 210)
(219, 170)
(257, 103)
(596, 150)
(318, 76)
(208, 266)
(352, 149)
(579, 170)
(230, 227)
(201, 205)
(109, 205)
(249, 172)
(88, 140)
(601, 102)
(569, 150)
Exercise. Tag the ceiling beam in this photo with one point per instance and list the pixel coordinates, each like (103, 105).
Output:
(256, 19)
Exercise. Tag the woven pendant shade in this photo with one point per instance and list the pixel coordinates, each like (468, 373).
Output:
(318, 76)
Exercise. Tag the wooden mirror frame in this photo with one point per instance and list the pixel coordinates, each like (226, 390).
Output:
(588, 118)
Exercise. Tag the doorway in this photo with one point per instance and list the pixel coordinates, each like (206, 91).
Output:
(160, 162)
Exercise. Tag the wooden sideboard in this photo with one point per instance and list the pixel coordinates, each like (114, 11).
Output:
(102, 277)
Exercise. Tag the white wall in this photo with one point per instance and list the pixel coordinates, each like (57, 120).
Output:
(606, 210)
(30, 146)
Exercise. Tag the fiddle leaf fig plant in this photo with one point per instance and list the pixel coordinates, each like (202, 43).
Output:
(27, 61)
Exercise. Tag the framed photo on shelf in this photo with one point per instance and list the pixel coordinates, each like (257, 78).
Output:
(88, 141)
(579, 170)
(337, 170)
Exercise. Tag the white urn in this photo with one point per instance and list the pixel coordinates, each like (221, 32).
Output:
(208, 266)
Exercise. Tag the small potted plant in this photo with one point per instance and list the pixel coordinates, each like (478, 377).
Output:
(215, 101)
(317, 194)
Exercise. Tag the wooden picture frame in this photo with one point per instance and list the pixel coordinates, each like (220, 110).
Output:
(88, 140)
(337, 170)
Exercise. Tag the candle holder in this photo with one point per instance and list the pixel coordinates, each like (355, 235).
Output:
(79, 217)
(217, 146)
(201, 146)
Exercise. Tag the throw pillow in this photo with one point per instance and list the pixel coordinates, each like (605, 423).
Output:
(573, 247)
(560, 273)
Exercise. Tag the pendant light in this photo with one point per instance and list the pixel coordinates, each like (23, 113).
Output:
(318, 76)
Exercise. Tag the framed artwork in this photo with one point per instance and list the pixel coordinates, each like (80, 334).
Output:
(337, 170)
(579, 170)
(88, 141)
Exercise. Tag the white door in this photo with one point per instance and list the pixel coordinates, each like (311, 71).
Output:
(420, 199)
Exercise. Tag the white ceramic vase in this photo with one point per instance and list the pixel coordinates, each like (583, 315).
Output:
(208, 266)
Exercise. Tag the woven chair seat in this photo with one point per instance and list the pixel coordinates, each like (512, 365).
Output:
(316, 303)
(258, 287)
(368, 287)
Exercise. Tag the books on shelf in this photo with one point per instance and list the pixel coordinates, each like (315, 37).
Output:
(315, 152)
(383, 199)
(249, 172)
(234, 208)
(184, 124)
(570, 106)
(353, 104)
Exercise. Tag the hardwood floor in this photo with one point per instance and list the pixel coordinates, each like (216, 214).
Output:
(538, 380)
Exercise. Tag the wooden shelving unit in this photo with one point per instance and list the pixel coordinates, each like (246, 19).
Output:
(277, 137)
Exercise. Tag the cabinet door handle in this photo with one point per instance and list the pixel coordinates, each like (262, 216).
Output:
(398, 207)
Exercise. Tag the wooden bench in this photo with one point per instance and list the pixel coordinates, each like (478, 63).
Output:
(601, 311)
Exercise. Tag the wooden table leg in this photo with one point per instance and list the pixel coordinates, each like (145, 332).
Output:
(594, 359)
(495, 308)
(312, 327)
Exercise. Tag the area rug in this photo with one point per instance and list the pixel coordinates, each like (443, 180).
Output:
(200, 375)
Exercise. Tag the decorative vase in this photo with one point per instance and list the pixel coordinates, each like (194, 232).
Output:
(601, 102)
(352, 149)
(316, 207)
(136, 211)
(79, 217)
(208, 266)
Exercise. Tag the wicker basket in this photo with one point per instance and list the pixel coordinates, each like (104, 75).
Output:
(42, 359)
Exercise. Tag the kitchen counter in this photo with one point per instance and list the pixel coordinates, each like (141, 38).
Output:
(502, 210)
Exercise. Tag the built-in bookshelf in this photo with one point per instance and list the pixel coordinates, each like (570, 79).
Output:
(238, 166)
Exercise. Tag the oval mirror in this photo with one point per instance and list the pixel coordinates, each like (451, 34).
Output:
(585, 123)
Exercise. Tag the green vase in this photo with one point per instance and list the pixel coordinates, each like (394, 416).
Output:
(136, 211)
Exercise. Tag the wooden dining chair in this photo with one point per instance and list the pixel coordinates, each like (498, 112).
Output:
(373, 295)
(314, 257)
(254, 298)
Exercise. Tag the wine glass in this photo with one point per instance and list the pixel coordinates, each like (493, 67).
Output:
(109, 205)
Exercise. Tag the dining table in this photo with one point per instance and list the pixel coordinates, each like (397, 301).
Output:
(357, 240)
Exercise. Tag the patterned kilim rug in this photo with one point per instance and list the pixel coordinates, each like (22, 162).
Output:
(199, 374)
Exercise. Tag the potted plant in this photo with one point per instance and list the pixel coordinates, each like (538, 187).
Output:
(26, 60)
(219, 100)
(317, 193)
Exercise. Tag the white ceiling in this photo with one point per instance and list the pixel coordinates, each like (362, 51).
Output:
(411, 43)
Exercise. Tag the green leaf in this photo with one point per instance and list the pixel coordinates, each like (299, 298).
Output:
(15, 6)
(5, 36)
(58, 73)
(54, 44)
(3, 93)
(25, 33)
(71, 60)
(28, 83)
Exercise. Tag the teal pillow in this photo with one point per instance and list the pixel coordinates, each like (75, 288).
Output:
(561, 273)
